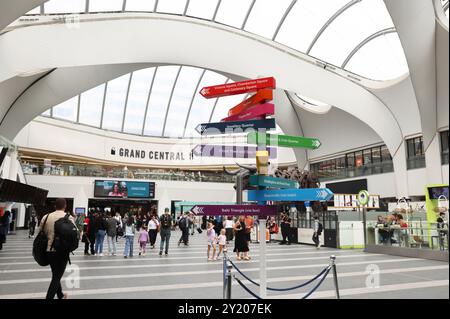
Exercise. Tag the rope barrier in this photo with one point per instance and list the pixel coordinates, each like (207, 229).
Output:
(318, 284)
(246, 289)
(279, 289)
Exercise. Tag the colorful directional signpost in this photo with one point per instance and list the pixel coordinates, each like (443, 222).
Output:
(282, 140)
(290, 195)
(272, 182)
(235, 127)
(229, 151)
(235, 210)
(235, 88)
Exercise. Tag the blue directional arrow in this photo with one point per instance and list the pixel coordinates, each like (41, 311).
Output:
(235, 127)
(288, 195)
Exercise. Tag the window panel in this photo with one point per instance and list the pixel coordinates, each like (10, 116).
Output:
(181, 100)
(137, 100)
(116, 93)
(418, 146)
(351, 160)
(201, 108)
(376, 154)
(105, 5)
(385, 154)
(159, 98)
(171, 6)
(305, 20)
(140, 5)
(349, 29)
(202, 8)
(232, 12)
(386, 56)
(91, 103)
(67, 110)
(444, 142)
(46, 113)
(64, 6)
(265, 17)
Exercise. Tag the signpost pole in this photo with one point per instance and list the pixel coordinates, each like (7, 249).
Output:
(262, 259)
(364, 211)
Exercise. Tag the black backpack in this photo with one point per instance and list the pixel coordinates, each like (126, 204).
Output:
(40, 246)
(183, 223)
(66, 236)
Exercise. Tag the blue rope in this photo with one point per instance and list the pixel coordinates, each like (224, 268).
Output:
(318, 284)
(246, 289)
(279, 289)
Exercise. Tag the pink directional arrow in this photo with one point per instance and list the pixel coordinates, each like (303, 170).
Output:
(255, 112)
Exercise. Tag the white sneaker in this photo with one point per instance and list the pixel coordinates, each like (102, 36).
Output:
(209, 259)
(101, 255)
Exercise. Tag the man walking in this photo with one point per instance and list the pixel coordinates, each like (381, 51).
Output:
(317, 227)
(111, 232)
(58, 260)
(183, 223)
(166, 226)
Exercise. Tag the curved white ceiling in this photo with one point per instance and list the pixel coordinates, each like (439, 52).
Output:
(115, 41)
(333, 31)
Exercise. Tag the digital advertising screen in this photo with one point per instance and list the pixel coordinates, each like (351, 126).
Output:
(80, 210)
(124, 189)
(436, 192)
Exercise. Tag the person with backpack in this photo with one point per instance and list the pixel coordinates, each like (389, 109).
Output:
(318, 228)
(62, 239)
(129, 237)
(165, 231)
(183, 224)
(4, 224)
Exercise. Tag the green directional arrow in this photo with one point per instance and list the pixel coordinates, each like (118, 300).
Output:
(272, 182)
(282, 140)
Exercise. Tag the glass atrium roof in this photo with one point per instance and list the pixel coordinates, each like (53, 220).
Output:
(159, 101)
(356, 35)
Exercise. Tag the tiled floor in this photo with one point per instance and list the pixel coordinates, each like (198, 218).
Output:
(186, 273)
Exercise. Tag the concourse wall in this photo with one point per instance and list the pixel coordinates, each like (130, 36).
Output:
(81, 189)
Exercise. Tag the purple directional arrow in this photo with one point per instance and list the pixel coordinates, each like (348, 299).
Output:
(235, 210)
(230, 151)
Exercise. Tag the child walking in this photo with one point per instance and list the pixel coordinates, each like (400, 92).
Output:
(222, 240)
(143, 239)
(211, 234)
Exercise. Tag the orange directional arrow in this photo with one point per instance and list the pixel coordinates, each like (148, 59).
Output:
(262, 96)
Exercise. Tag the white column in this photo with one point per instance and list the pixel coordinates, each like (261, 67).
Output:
(433, 162)
(400, 172)
(13, 166)
(6, 165)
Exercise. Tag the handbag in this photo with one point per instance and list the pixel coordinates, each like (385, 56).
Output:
(40, 245)
(199, 230)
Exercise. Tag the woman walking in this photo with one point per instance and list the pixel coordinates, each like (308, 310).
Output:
(101, 227)
(228, 225)
(153, 225)
(241, 240)
(129, 237)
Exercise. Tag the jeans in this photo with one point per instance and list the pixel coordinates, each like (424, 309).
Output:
(316, 239)
(99, 239)
(112, 242)
(58, 265)
(128, 246)
(165, 238)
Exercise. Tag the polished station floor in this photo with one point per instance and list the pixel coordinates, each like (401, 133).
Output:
(186, 273)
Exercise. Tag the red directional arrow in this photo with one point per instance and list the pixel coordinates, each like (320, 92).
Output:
(238, 87)
(261, 96)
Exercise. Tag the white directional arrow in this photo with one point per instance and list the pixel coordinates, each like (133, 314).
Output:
(204, 91)
(316, 143)
(197, 210)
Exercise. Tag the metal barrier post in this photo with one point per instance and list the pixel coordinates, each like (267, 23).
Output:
(335, 279)
(224, 275)
(229, 282)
